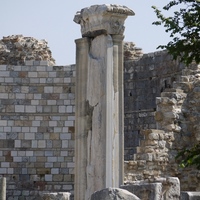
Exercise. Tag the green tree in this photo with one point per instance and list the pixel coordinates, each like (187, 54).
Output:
(184, 29)
(188, 157)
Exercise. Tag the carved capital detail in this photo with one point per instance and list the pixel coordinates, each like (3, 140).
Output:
(102, 19)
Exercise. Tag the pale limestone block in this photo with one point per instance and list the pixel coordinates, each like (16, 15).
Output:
(9, 80)
(65, 136)
(55, 196)
(69, 123)
(64, 153)
(71, 165)
(29, 153)
(48, 89)
(51, 159)
(10, 170)
(54, 171)
(34, 80)
(3, 67)
(52, 123)
(41, 144)
(52, 74)
(67, 102)
(49, 165)
(35, 123)
(20, 96)
(21, 153)
(32, 74)
(71, 118)
(5, 74)
(29, 62)
(67, 187)
(30, 109)
(37, 96)
(7, 129)
(5, 164)
(69, 109)
(62, 109)
(43, 74)
(44, 63)
(3, 95)
(41, 68)
(64, 143)
(48, 177)
(17, 143)
(42, 80)
(67, 80)
(113, 193)
(14, 153)
(2, 136)
(17, 159)
(33, 129)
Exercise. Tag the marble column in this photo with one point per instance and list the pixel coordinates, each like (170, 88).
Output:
(99, 145)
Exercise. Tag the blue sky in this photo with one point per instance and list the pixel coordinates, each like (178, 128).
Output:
(53, 20)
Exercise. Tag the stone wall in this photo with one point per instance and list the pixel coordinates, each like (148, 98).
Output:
(37, 128)
(177, 119)
(144, 80)
(15, 49)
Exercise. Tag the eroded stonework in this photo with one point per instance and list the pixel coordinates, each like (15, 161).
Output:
(16, 49)
(102, 19)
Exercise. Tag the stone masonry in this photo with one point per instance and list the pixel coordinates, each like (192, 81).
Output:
(144, 80)
(177, 119)
(37, 128)
(37, 118)
(16, 49)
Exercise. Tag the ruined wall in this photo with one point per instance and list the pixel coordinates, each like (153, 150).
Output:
(37, 128)
(144, 80)
(15, 49)
(177, 119)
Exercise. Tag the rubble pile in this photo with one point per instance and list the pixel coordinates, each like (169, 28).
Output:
(16, 49)
(131, 52)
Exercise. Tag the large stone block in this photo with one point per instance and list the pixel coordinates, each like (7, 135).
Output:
(113, 193)
(150, 191)
(55, 196)
(190, 195)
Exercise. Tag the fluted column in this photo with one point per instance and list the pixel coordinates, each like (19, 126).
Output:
(99, 99)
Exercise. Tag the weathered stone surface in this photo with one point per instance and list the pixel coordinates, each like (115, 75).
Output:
(190, 195)
(101, 137)
(171, 188)
(131, 52)
(16, 49)
(150, 191)
(2, 188)
(102, 19)
(55, 196)
(113, 193)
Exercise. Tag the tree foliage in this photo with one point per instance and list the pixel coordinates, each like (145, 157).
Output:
(184, 29)
(189, 157)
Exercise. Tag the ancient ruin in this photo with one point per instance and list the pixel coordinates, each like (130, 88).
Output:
(99, 99)
(150, 99)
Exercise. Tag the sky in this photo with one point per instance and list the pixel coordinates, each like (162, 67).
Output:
(52, 20)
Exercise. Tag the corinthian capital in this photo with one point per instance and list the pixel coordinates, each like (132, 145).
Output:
(102, 19)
